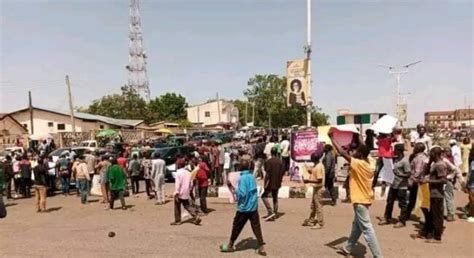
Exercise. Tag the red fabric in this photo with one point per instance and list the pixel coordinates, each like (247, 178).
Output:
(385, 147)
(201, 176)
(122, 162)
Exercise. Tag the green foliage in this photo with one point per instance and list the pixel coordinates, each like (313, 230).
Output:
(269, 94)
(127, 105)
(168, 107)
(184, 123)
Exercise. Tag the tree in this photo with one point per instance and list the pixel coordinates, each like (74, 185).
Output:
(240, 105)
(268, 92)
(127, 105)
(168, 107)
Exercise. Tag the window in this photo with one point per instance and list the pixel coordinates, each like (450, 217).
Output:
(207, 114)
(50, 124)
(101, 126)
(61, 127)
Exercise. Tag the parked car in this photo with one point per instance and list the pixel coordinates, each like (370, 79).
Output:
(12, 152)
(57, 152)
(91, 144)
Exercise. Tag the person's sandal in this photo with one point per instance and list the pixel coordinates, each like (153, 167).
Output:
(224, 248)
(261, 252)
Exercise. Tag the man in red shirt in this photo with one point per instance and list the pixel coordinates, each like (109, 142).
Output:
(122, 161)
(202, 183)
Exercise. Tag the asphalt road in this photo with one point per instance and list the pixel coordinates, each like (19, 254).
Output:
(74, 230)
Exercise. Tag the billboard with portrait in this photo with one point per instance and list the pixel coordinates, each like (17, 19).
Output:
(297, 82)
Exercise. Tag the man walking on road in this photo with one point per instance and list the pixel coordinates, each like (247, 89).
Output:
(362, 195)
(83, 179)
(91, 162)
(117, 180)
(40, 184)
(247, 209)
(158, 176)
(183, 186)
(274, 174)
(134, 172)
(316, 181)
(329, 162)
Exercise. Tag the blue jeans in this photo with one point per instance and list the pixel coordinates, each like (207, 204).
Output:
(363, 225)
(65, 184)
(83, 189)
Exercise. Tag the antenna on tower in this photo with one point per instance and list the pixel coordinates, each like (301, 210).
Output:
(137, 73)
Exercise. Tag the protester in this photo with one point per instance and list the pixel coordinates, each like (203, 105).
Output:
(456, 153)
(51, 178)
(227, 165)
(285, 152)
(9, 175)
(25, 177)
(398, 189)
(75, 163)
(465, 151)
(117, 180)
(183, 187)
(103, 167)
(41, 184)
(247, 209)
(470, 187)
(122, 161)
(453, 175)
(146, 164)
(158, 177)
(83, 179)
(316, 182)
(362, 195)
(221, 172)
(202, 183)
(268, 147)
(134, 172)
(421, 136)
(329, 162)
(275, 170)
(437, 179)
(385, 161)
(91, 162)
(63, 166)
(17, 175)
(259, 158)
(418, 162)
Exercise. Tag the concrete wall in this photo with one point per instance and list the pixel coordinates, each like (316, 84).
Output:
(197, 114)
(42, 118)
(10, 131)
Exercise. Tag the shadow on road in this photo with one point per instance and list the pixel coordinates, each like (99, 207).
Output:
(52, 209)
(11, 204)
(359, 249)
(245, 244)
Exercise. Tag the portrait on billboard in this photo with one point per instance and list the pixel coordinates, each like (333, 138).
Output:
(297, 96)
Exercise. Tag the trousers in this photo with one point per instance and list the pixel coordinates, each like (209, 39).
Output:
(40, 193)
(135, 180)
(435, 220)
(240, 220)
(266, 202)
(329, 185)
(317, 206)
(160, 188)
(177, 208)
(202, 198)
(449, 197)
(399, 195)
(413, 193)
(362, 225)
(116, 194)
(83, 189)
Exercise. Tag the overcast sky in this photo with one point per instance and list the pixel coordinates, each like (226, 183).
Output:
(198, 48)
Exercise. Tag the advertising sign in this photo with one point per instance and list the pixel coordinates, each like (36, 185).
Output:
(297, 82)
(303, 144)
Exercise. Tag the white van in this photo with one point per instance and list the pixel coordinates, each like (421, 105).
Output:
(91, 145)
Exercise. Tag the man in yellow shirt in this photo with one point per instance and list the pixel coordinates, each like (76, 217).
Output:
(316, 181)
(362, 195)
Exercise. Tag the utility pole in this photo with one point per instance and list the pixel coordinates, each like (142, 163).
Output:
(253, 113)
(71, 109)
(30, 106)
(393, 70)
(218, 107)
(308, 57)
(246, 112)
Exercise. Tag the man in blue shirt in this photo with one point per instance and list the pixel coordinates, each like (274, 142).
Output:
(246, 195)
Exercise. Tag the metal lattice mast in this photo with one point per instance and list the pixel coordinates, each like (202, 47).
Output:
(137, 73)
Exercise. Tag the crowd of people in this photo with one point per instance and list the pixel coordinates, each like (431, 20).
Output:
(422, 180)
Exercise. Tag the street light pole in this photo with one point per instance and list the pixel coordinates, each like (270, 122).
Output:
(308, 57)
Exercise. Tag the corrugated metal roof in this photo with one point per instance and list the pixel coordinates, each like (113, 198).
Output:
(87, 116)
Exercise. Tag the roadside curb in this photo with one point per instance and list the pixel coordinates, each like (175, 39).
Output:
(290, 192)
